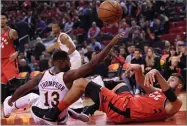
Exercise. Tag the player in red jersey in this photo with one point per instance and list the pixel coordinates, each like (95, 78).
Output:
(120, 105)
(9, 53)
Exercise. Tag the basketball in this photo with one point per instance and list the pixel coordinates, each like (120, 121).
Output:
(110, 11)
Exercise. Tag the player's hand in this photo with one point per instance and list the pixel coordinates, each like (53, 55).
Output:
(118, 37)
(150, 78)
(13, 56)
(132, 67)
(10, 102)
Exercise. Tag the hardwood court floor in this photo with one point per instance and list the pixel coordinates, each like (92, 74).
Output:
(21, 117)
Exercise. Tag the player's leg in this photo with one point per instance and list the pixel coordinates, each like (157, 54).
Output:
(75, 93)
(22, 102)
(89, 110)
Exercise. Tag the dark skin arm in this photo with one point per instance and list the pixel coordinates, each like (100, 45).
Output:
(72, 75)
(25, 88)
(13, 35)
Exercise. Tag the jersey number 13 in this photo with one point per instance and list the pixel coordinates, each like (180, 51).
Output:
(55, 96)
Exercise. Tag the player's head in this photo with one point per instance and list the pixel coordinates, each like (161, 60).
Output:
(4, 19)
(56, 28)
(61, 61)
(176, 81)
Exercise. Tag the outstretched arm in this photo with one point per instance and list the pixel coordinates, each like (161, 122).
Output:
(25, 88)
(72, 75)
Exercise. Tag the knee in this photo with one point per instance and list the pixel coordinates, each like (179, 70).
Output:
(81, 83)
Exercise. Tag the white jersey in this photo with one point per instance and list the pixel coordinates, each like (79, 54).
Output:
(52, 90)
(75, 57)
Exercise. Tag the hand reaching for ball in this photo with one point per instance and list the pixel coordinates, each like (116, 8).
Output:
(117, 38)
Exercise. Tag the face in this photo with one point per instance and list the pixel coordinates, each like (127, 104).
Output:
(172, 52)
(3, 21)
(150, 52)
(167, 44)
(146, 49)
(174, 82)
(22, 63)
(133, 23)
(55, 28)
(137, 54)
(64, 66)
(133, 48)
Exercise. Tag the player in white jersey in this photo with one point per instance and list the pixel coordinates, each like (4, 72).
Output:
(61, 63)
(52, 90)
(65, 43)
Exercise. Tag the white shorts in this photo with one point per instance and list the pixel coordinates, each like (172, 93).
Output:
(34, 101)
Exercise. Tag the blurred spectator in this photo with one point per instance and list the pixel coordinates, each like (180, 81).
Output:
(68, 27)
(95, 44)
(138, 59)
(23, 66)
(172, 68)
(131, 50)
(117, 58)
(33, 64)
(151, 61)
(167, 47)
(40, 26)
(44, 63)
(157, 27)
(31, 20)
(93, 31)
(39, 48)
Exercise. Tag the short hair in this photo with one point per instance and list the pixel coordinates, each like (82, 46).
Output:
(4, 14)
(60, 55)
(180, 77)
(58, 23)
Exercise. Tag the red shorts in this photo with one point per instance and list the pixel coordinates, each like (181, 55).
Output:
(9, 70)
(114, 105)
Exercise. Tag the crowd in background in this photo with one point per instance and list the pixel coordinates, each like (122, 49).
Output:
(144, 23)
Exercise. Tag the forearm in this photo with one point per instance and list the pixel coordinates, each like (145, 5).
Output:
(71, 51)
(19, 93)
(101, 56)
(50, 48)
(163, 83)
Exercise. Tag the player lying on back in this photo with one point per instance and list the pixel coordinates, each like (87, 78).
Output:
(120, 105)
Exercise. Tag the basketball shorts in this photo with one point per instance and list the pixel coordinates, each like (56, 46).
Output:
(112, 103)
(9, 70)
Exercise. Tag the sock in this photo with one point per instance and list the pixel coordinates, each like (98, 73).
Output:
(62, 105)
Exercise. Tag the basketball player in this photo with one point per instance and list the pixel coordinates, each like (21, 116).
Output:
(55, 83)
(65, 43)
(10, 49)
(120, 105)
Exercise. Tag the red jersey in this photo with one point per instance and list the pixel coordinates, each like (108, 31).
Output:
(7, 45)
(124, 107)
(149, 107)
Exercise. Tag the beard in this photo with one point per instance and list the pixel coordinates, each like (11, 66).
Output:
(66, 69)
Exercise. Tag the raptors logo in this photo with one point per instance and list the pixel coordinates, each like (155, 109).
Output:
(3, 42)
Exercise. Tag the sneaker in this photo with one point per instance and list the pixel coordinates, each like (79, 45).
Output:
(80, 116)
(7, 108)
(137, 92)
(50, 114)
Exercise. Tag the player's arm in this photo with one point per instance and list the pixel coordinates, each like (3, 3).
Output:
(65, 39)
(140, 78)
(14, 36)
(83, 70)
(176, 103)
(52, 47)
(25, 88)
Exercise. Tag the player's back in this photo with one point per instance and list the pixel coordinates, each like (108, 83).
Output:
(52, 90)
(149, 107)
